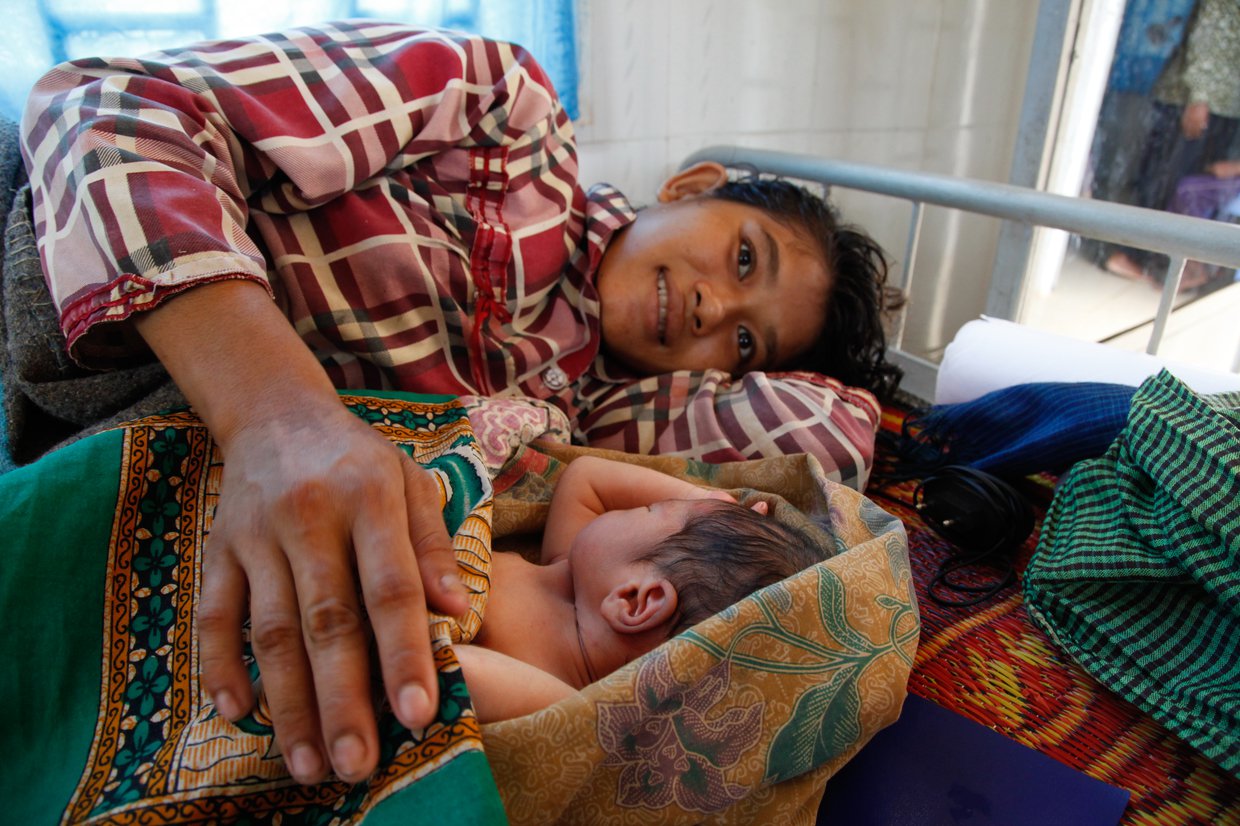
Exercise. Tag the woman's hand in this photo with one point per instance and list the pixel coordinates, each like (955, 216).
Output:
(310, 510)
(1195, 119)
(313, 506)
(1224, 169)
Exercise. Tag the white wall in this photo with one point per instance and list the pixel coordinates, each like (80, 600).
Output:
(933, 85)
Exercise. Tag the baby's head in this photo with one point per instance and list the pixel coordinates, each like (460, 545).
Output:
(723, 554)
(642, 576)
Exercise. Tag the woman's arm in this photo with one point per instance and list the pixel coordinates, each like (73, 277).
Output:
(150, 177)
(502, 687)
(714, 418)
(146, 175)
(305, 483)
(591, 486)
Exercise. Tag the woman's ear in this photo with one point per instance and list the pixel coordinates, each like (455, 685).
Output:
(699, 178)
(642, 604)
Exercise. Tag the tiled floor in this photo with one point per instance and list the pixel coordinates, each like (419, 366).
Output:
(1092, 304)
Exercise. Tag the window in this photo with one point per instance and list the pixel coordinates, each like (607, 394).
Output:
(41, 33)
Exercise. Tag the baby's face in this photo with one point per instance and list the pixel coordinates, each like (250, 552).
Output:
(622, 536)
(605, 549)
(605, 556)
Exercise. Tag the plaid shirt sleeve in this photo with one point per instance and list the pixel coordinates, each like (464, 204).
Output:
(318, 162)
(711, 417)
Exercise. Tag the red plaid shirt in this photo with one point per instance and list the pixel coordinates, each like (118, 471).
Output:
(410, 199)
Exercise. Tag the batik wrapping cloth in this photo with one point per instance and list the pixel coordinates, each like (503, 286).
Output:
(102, 719)
(743, 718)
(1137, 572)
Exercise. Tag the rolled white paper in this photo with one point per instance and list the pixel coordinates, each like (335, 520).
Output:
(990, 354)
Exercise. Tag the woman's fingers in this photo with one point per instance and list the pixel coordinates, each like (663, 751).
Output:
(276, 637)
(431, 544)
(333, 630)
(392, 577)
(221, 612)
(276, 640)
(301, 528)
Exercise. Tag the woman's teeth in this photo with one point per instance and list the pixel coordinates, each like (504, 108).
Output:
(662, 287)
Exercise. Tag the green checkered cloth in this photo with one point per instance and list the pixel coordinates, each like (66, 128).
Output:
(1137, 573)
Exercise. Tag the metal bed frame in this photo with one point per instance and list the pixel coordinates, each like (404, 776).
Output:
(1179, 237)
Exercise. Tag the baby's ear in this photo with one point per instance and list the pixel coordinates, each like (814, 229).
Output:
(644, 603)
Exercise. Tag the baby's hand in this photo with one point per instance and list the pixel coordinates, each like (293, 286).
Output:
(760, 506)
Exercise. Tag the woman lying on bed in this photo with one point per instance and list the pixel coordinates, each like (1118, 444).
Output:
(410, 201)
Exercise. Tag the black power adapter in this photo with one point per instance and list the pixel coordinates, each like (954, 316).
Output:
(985, 518)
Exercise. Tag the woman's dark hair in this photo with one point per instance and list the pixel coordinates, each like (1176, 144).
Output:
(852, 346)
(725, 554)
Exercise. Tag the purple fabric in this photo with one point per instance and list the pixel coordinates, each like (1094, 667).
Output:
(1204, 196)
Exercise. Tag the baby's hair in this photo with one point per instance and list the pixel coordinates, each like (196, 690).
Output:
(725, 554)
(852, 346)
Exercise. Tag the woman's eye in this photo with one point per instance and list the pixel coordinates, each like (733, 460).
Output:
(744, 259)
(744, 344)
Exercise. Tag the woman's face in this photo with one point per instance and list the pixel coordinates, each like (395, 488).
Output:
(696, 282)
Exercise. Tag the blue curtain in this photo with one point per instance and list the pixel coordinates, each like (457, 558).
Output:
(548, 28)
(42, 33)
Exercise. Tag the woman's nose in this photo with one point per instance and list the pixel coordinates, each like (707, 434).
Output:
(708, 309)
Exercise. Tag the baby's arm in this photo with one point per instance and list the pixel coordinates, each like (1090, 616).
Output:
(503, 687)
(591, 486)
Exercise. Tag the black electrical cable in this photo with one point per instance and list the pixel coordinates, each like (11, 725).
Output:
(985, 518)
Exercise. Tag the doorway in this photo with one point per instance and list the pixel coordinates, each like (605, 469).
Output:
(1097, 62)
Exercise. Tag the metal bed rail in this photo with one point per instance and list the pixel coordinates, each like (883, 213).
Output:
(1179, 237)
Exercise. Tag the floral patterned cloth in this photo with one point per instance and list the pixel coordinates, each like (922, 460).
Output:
(744, 717)
(503, 426)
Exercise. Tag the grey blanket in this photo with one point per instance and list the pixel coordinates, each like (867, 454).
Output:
(48, 400)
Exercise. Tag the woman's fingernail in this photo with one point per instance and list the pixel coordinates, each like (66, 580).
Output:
(412, 703)
(304, 763)
(349, 756)
(226, 704)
